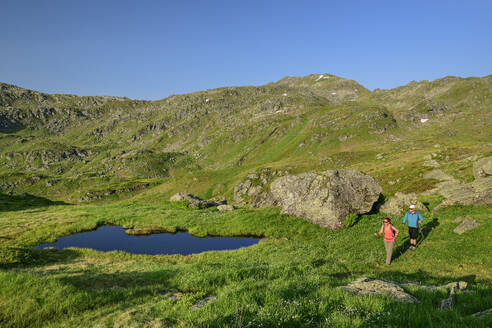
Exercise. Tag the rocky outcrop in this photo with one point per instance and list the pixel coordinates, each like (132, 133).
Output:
(45, 158)
(324, 198)
(398, 205)
(193, 201)
(483, 168)
(456, 192)
(453, 288)
(367, 286)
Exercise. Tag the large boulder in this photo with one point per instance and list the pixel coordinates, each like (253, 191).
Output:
(398, 205)
(254, 190)
(324, 198)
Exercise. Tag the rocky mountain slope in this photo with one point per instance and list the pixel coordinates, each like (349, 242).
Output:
(88, 148)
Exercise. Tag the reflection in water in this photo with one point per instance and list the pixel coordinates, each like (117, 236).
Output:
(112, 238)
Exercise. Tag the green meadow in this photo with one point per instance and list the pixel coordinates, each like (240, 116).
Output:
(288, 279)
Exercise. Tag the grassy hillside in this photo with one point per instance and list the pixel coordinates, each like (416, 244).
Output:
(72, 148)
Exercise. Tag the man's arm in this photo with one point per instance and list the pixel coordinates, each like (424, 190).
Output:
(405, 219)
(421, 218)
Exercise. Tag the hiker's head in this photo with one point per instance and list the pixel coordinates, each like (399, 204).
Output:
(387, 220)
(412, 208)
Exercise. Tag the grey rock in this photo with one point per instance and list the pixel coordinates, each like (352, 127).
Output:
(457, 285)
(455, 192)
(324, 198)
(398, 205)
(482, 314)
(254, 189)
(438, 175)
(466, 225)
(449, 302)
(225, 208)
(460, 219)
(483, 168)
(203, 302)
(193, 201)
(431, 163)
(367, 286)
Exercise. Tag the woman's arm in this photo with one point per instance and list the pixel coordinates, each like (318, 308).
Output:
(380, 231)
(396, 231)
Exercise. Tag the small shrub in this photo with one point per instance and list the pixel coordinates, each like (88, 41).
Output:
(351, 219)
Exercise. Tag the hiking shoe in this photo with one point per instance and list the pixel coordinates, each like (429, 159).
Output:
(412, 247)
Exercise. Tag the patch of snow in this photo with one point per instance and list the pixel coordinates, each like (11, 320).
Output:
(333, 93)
(423, 120)
(321, 77)
(285, 95)
(279, 111)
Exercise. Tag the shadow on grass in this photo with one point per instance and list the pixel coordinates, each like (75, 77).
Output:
(25, 257)
(424, 232)
(359, 310)
(136, 281)
(25, 201)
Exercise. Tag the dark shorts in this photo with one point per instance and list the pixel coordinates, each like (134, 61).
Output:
(413, 232)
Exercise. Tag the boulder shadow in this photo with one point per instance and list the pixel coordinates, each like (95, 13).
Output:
(424, 232)
(25, 201)
(26, 257)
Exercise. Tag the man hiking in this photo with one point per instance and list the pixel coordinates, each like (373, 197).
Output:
(414, 218)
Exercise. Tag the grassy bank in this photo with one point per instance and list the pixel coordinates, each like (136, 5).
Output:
(289, 279)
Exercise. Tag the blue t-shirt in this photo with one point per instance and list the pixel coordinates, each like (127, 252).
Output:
(413, 218)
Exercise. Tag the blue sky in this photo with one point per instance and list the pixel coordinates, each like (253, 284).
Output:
(151, 49)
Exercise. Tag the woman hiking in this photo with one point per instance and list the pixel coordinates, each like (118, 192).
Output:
(390, 233)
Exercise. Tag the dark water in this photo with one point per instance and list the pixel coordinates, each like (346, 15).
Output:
(112, 238)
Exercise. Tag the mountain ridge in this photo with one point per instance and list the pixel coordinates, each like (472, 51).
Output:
(314, 122)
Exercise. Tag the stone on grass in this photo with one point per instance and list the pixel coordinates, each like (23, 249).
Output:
(225, 208)
(460, 219)
(482, 314)
(459, 285)
(367, 286)
(466, 225)
(203, 302)
(193, 201)
(448, 303)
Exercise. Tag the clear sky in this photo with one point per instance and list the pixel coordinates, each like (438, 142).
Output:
(150, 49)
